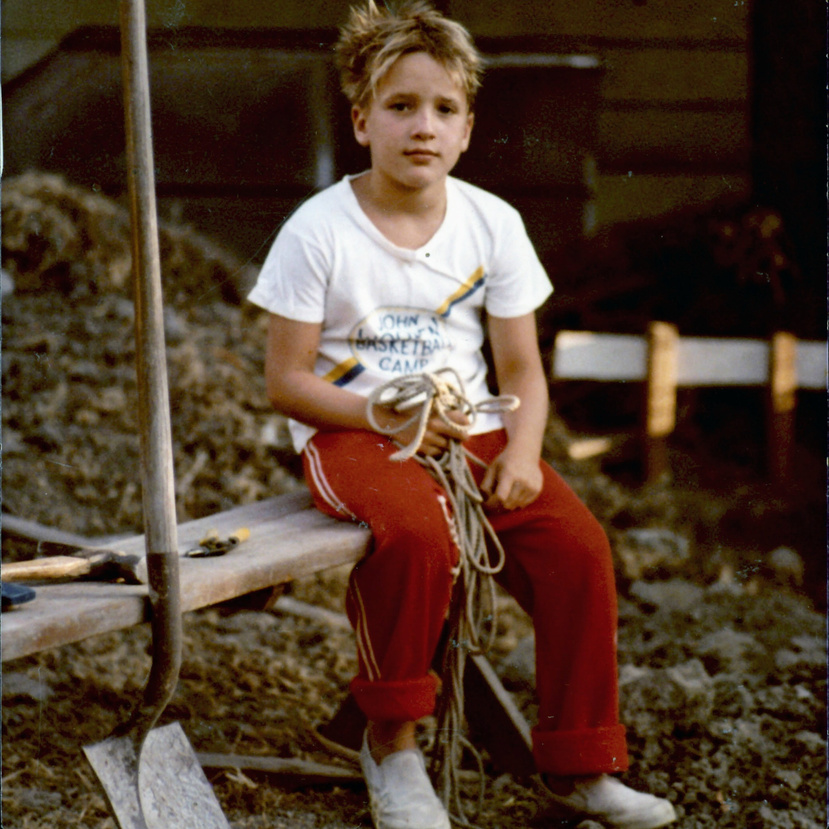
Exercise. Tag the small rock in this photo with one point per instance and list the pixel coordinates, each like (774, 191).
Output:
(812, 740)
(110, 400)
(811, 648)
(175, 327)
(787, 566)
(675, 594)
(660, 699)
(13, 443)
(643, 549)
(808, 651)
(519, 667)
(6, 283)
(632, 673)
(785, 659)
(790, 777)
(123, 308)
(20, 685)
(627, 609)
(730, 651)
(275, 433)
(726, 586)
(38, 800)
(802, 692)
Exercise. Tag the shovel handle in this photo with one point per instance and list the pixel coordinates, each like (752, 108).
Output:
(158, 483)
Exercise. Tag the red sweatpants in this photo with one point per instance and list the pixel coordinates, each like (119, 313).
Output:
(558, 567)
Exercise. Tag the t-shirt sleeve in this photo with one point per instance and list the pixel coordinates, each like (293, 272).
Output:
(294, 277)
(517, 282)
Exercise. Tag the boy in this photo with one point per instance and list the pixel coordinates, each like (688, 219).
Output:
(387, 273)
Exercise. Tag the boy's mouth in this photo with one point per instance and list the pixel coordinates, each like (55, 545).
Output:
(420, 154)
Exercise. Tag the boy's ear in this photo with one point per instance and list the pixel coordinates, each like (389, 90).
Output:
(470, 122)
(358, 122)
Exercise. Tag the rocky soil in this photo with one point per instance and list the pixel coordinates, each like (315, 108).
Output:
(722, 635)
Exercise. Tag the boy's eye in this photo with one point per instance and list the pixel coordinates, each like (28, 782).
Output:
(399, 106)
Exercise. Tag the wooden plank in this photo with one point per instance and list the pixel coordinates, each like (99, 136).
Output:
(22, 52)
(551, 222)
(496, 720)
(63, 117)
(289, 770)
(583, 355)
(701, 361)
(675, 75)
(57, 17)
(64, 613)
(34, 531)
(717, 19)
(685, 135)
(311, 545)
(289, 540)
(533, 126)
(629, 193)
(712, 20)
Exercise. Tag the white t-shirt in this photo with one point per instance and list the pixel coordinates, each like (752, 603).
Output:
(388, 311)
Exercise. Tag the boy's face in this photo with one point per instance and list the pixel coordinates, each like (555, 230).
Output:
(417, 125)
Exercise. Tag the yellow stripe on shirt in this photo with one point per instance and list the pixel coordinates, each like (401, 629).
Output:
(344, 372)
(470, 286)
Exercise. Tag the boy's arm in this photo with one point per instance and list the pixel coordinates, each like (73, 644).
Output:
(514, 478)
(294, 390)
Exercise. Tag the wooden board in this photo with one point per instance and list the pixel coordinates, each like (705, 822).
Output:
(701, 361)
(289, 539)
(634, 136)
(203, 101)
(287, 771)
(624, 195)
(715, 20)
(662, 75)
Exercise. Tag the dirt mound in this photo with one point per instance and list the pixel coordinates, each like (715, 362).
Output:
(70, 445)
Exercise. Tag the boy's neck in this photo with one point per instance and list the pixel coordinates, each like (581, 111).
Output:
(408, 217)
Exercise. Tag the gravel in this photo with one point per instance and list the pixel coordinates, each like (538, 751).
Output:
(722, 657)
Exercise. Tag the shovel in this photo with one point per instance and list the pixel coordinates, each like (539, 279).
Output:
(151, 776)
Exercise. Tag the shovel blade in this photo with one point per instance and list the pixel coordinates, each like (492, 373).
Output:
(163, 788)
(116, 765)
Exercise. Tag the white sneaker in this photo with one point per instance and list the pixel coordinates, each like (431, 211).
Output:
(400, 792)
(610, 801)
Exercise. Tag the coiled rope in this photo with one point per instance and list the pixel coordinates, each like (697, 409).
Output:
(472, 609)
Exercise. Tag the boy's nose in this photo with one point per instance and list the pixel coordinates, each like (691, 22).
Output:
(424, 125)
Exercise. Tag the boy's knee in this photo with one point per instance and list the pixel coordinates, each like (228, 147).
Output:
(425, 552)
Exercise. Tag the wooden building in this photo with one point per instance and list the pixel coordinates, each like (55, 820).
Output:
(597, 111)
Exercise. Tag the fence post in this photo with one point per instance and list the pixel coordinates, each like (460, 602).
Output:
(782, 391)
(660, 391)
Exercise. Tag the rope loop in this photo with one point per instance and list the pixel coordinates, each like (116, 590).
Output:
(481, 555)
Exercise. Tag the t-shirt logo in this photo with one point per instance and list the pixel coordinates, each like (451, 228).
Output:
(398, 341)
(394, 341)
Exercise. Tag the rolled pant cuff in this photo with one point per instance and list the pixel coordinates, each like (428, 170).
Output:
(575, 753)
(401, 700)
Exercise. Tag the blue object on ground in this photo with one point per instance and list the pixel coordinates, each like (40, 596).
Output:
(15, 594)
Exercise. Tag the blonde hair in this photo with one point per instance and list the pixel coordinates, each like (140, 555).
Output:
(374, 38)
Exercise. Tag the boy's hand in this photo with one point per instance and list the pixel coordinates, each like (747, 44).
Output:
(511, 481)
(438, 433)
